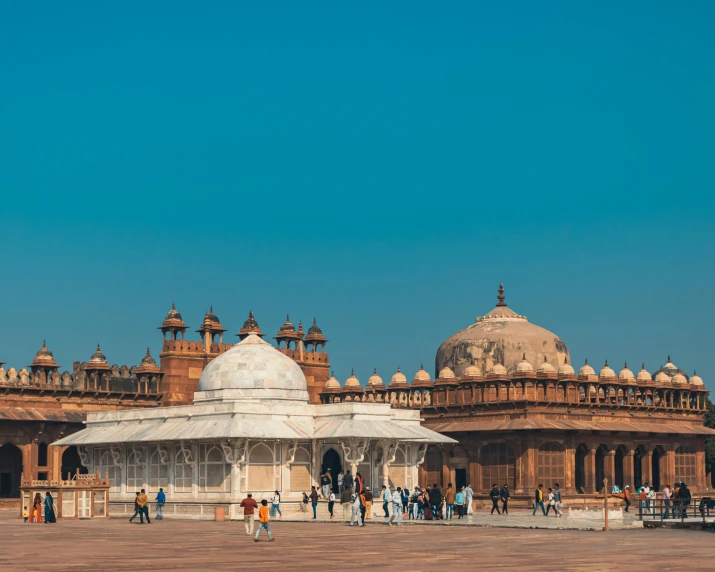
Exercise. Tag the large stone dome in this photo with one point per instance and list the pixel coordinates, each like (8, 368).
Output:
(501, 336)
(250, 370)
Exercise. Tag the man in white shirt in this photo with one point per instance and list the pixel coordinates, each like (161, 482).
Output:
(666, 501)
(356, 511)
(396, 507)
(468, 495)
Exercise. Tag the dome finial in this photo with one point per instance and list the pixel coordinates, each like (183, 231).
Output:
(374, 371)
(501, 296)
(523, 356)
(147, 351)
(586, 362)
(173, 305)
(352, 372)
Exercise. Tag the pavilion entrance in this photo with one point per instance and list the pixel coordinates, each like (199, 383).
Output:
(331, 460)
(638, 467)
(580, 479)
(71, 463)
(10, 471)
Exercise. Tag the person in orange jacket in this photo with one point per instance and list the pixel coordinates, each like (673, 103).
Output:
(263, 518)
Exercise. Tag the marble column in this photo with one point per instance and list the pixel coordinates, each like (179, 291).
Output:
(590, 469)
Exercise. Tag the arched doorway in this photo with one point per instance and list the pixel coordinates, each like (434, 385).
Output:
(600, 469)
(618, 461)
(10, 471)
(580, 480)
(331, 460)
(655, 469)
(71, 462)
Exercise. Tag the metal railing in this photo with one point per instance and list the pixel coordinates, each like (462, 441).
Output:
(660, 509)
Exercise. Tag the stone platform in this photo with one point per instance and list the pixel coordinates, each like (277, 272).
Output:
(180, 545)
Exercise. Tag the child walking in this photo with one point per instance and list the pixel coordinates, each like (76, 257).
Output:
(263, 518)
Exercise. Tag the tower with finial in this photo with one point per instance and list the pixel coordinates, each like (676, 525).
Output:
(500, 296)
(211, 330)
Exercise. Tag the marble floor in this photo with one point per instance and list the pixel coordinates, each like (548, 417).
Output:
(199, 545)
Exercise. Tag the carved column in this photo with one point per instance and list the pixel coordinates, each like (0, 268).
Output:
(647, 464)
(590, 469)
(609, 468)
(629, 467)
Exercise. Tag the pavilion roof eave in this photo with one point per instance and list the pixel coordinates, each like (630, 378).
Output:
(363, 429)
(454, 426)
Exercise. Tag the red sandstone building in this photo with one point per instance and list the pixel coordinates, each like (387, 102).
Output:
(40, 406)
(504, 389)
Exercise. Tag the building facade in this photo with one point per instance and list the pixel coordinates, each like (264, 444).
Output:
(522, 422)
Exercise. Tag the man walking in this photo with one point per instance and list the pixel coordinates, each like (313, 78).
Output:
(249, 505)
(386, 498)
(137, 508)
(263, 521)
(435, 499)
(345, 501)
(355, 517)
(368, 502)
(494, 495)
(314, 501)
(504, 495)
(160, 501)
(396, 507)
(666, 500)
(468, 496)
(627, 497)
(557, 500)
(449, 498)
(341, 476)
(143, 502)
(539, 500)
(325, 483)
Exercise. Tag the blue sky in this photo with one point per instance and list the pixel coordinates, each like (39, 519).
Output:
(379, 165)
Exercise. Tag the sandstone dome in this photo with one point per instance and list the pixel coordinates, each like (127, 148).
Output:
(501, 336)
(251, 370)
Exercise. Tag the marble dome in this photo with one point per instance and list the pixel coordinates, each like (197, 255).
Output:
(501, 336)
(250, 370)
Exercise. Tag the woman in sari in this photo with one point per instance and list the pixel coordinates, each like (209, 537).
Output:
(36, 511)
(49, 509)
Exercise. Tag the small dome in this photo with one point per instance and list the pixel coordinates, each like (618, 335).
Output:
(374, 380)
(472, 371)
(250, 326)
(211, 316)
(545, 367)
(98, 356)
(644, 375)
(287, 325)
(695, 379)
(670, 368)
(173, 314)
(566, 369)
(446, 373)
(524, 366)
(679, 378)
(586, 369)
(314, 329)
(422, 375)
(352, 381)
(625, 374)
(662, 377)
(44, 357)
(399, 377)
(332, 383)
(147, 359)
(497, 369)
(43, 352)
(606, 372)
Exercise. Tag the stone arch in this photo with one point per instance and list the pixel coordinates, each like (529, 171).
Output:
(10, 470)
(332, 461)
(71, 461)
(260, 454)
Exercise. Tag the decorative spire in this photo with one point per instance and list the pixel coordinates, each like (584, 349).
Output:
(643, 366)
(625, 365)
(523, 356)
(501, 296)
(586, 362)
(173, 306)
(374, 371)
(606, 365)
(545, 358)
(566, 360)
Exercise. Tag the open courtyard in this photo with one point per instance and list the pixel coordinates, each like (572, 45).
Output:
(115, 544)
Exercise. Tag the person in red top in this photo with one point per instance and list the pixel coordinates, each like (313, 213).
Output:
(249, 505)
(263, 518)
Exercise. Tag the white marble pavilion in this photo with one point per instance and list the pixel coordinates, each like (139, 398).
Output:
(250, 429)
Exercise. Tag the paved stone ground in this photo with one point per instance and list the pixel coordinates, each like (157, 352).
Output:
(195, 545)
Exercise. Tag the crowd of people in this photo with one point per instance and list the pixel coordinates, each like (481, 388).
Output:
(675, 499)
